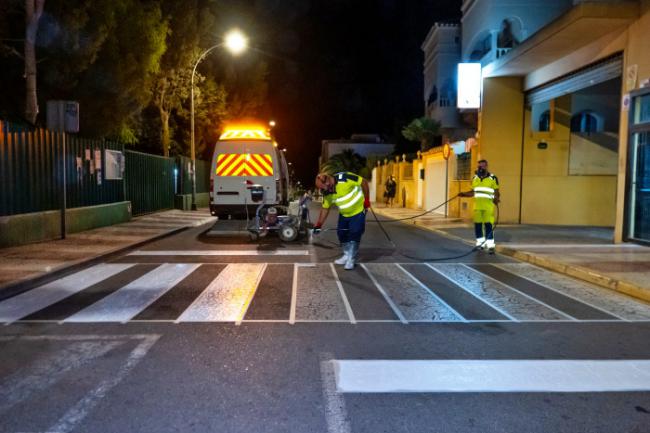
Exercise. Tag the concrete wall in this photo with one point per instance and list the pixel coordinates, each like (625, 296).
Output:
(42, 226)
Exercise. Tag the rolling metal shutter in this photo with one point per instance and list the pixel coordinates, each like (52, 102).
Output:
(605, 70)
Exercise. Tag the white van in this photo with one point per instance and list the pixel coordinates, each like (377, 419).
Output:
(246, 155)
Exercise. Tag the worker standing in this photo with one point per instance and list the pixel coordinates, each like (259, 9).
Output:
(350, 193)
(485, 190)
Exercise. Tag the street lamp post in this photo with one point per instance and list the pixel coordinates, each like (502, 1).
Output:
(236, 43)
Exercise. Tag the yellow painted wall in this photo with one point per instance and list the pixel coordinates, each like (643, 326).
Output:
(500, 139)
(549, 194)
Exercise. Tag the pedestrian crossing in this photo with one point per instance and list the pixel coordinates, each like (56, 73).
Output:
(295, 293)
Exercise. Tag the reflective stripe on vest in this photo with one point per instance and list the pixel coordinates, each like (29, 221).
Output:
(351, 202)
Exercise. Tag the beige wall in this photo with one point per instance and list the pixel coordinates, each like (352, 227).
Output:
(500, 130)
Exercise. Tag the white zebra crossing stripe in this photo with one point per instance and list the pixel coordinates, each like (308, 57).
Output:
(227, 296)
(222, 253)
(36, 299)
(390, 376)
(128, 301)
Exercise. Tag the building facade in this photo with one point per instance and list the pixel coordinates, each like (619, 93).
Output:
(565, 111)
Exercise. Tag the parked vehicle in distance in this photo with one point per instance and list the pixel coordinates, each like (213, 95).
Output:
(246, 154)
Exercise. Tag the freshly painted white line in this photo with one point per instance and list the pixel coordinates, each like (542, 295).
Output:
(390, 376)
(248, 301)
(336, 414)
(226, 296)
(36, 299)
(522, 293)
(71, 419)
(221, 253)
(473, 294)
(346, 302)
(294, 295)
(435, 296)
(48, 370)
(127, 302)
(390, 302)
(561, 293)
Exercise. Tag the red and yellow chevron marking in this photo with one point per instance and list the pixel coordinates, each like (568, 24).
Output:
(244, 164)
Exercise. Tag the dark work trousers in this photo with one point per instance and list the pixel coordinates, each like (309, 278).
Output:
(351, 228)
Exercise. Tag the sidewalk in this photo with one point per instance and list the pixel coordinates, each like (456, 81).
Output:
(587, 253)
(26, 264)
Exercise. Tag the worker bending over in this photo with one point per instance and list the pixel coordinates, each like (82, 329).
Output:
(350, 193)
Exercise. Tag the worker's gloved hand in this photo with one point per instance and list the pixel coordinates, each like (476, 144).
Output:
(496, 201)
(366, 203)
(317, 228)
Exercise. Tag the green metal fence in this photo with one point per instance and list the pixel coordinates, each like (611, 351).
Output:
(149, 182)
(184, 182)
(31, 174)
(31, 171)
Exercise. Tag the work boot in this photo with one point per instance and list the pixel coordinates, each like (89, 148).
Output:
(480, 243)
(490, 246)
(353, 248)
(346, 253)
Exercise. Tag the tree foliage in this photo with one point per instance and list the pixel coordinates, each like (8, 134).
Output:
(129, 63)
(348, 160)
(423, 130)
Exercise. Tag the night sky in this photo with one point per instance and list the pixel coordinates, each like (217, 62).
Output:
(339, 67)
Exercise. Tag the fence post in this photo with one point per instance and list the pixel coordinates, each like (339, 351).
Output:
(63, 186)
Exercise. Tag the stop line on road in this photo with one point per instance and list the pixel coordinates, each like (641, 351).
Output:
(318, 292)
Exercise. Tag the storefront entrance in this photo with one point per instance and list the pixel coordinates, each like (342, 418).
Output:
(638, 192)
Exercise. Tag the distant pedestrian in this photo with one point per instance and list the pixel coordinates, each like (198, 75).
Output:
(485, 190)
(391, 190)
(350, 193)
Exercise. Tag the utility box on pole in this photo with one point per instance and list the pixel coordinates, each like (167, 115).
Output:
(63, 116)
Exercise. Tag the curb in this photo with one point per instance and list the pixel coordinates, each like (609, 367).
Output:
(574, 271)
(13, 289)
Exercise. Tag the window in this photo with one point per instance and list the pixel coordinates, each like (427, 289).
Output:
(585, 122)
(464, 166)
(544, 124)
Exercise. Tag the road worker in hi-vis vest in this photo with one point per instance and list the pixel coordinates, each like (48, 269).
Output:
(350, 193)
(485, 190)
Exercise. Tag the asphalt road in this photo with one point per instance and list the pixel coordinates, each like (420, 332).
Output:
(202, 332)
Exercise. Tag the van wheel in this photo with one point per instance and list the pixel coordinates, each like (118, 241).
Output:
(288, 233)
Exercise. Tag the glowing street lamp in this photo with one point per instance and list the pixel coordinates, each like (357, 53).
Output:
(236, 43)
(272, 123)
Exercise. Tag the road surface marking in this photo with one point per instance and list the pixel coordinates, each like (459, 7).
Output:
(608, 299)
(36, 299)
(71, 419)
(336, 414)
(226, 296)
(438, 298)
(49, 370)
(294, 295)
(127, 302)
(482, 299)
(346, 302)
(562, 313)
(247, 302)
(390, 376)
(390, 302)
(222, 253)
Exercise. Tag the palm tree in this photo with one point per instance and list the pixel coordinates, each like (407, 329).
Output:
(348, 160)
(423, 130)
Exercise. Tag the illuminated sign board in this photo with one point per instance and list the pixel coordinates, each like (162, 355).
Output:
(469, 85)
